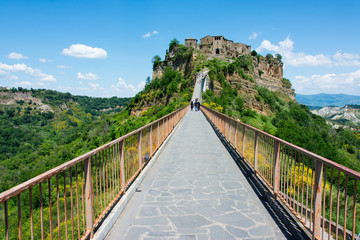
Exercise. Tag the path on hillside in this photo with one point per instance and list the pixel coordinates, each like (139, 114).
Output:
(195, 191)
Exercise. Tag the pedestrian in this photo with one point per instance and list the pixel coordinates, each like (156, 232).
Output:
(196, 100)
(198, 106)
(192, 105)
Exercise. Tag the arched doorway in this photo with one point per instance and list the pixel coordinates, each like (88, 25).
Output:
(217, 51)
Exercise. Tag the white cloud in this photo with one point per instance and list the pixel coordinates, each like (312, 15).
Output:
(44, 60)
(16, 56)
(127, 89)
(253, 36)
(27, 83)
(63, 66)
(146, 35)
(87, 76)
(95, 86)
(286, 47)
(83, 51)
(328, 83)
(21, 67)
(346, 59)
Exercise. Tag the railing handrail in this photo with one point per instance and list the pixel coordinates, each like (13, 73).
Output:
(52, 172)
(329, 162)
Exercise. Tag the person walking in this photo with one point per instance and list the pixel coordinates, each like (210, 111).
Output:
(192, 105)
(198, 106)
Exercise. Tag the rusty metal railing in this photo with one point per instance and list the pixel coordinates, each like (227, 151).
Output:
(321, 193)
(71, 200)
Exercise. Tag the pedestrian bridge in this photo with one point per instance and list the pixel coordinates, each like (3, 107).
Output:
(188, 175)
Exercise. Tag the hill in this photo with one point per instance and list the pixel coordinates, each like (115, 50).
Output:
(34, 123)
(348, 115)
(324, 99)
(251, 88)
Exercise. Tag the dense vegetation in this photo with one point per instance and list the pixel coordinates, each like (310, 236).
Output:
(32, 141)
(288, 120)
(29, 135)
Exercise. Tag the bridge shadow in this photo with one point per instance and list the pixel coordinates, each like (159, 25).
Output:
(288, 224)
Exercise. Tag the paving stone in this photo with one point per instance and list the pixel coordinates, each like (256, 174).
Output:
(239, 233)
(176, 210)
(261, 231)
(161, 183)
(181, 191)
(166, 211)
(151, 221)
(148, 212)
(161, 228)
(161, 234)
(164, 199)
(149, 199)
(217, 232)
(203, 237)
(236, 219)
(192, 221)
(153, 192)
(135, 233)
(231, 185)
(187, 237)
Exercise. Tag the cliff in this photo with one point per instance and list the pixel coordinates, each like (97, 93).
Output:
(244, 73)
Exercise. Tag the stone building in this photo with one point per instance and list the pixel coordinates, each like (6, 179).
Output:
(191, 42)
(218, 46)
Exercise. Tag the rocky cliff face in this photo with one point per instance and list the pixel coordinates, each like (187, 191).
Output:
(339, 114)
(8, 98)
(269, 74)
(264, 72)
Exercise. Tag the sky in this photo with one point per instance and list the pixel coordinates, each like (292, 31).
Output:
(104, 48)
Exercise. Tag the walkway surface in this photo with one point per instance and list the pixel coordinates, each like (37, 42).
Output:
(195, 191)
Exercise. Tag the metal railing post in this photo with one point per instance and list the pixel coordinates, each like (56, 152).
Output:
(150, 141)
(89, 197)
(158, 134)
(243, 141)
(235, 138)
(122, 166)
(139, 150)
(276, 176)
(223, 126)
(229, 132)
(317, 199)
(256, 153)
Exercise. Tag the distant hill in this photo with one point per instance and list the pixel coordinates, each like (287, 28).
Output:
(348, 115)
(324, 99)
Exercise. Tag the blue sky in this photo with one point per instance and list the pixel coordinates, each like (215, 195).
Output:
(104, 48)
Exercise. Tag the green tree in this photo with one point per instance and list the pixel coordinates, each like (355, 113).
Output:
(269, 57)
(173, 44)
(147, 81)
(278, 57)
(254, 53)
(156, 60)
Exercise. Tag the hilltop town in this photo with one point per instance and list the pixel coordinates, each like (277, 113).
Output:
(219, 46)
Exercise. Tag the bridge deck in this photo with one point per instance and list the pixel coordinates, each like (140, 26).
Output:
(195, 191)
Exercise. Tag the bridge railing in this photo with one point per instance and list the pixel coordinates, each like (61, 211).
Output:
(322, 194)
(71, 200)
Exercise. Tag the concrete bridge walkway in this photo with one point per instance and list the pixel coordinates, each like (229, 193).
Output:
(195, 191)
